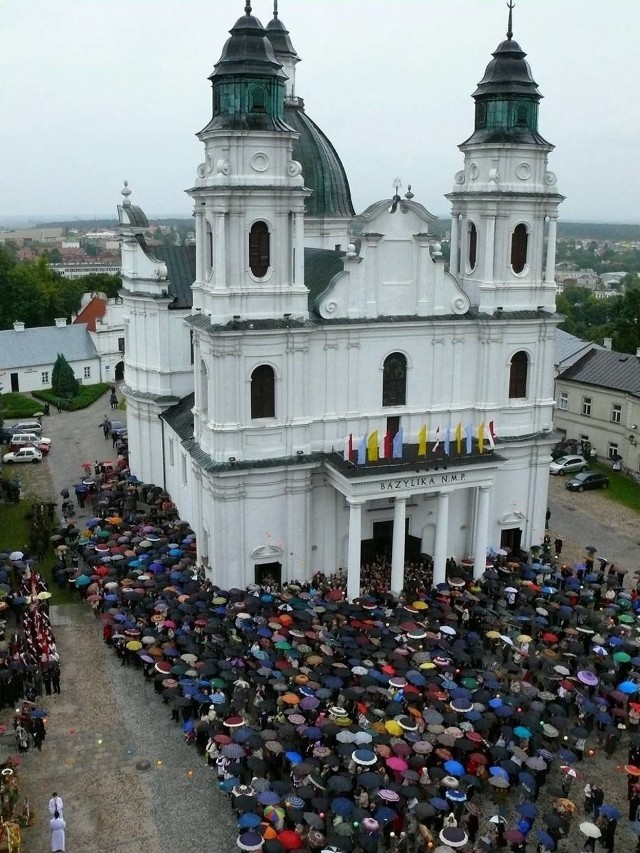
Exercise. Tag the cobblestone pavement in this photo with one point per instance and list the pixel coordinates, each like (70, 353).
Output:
(128, 780)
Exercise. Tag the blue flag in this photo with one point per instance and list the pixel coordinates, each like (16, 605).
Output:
(447, 440)
(397, 444)
(468, 431)
(362, 451)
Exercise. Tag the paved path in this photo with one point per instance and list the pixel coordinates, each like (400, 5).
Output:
(128, 780)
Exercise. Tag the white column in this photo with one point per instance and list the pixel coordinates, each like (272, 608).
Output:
(481, 531)
(550, 268)
(355, 547)
(442, 535)
(489, 248)
(219, 259)
(397, 548)
(453, 257)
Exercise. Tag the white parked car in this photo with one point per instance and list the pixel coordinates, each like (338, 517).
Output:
(25, 454)
(568, 465)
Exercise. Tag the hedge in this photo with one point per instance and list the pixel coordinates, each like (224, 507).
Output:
(18, 406)
(87, 395)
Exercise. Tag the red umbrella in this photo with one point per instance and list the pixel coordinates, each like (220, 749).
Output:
(548, 637)
(289, 839)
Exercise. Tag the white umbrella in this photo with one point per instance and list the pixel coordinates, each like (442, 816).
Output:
(16, 555)
(590, 829)
(447, 629)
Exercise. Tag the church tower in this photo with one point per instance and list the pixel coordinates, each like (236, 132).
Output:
(249, 193)
(505, 201)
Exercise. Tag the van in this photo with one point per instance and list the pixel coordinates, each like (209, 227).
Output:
(23, 439)
(28, 426)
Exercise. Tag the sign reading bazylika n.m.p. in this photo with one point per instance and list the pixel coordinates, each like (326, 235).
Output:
(402, 483)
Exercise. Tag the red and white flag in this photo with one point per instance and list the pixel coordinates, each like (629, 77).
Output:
(348, 448)
(491, 435)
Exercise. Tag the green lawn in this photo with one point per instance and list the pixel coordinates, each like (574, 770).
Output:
(15, 525)
(87, 395)
(623, 489)
(15, 406)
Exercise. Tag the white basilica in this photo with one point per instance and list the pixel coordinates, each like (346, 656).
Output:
(314, 387)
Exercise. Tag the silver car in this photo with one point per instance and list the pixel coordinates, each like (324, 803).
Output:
(568, 465)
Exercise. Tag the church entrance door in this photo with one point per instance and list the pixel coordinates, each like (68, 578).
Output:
(268, 573)
(511, 540)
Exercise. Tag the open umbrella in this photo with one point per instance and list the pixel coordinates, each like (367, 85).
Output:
(590, 829)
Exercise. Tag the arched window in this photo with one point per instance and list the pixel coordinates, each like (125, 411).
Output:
(394, 380)
(518, 375)
(263, 392)
(204, 389)
(258, 99)
(521, 115)
(259, 250)
(473, 246)
(481, 115)
(519, 246)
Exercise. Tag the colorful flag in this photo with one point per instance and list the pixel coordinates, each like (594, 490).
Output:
(362, 451)
(436, 443)
(387, 443)
(422, 441)
(372, 446)
(447, 440)
(481, 438)
(469, 438)
(491, 435)
(459, 439)
(348, 448)
(397, 445)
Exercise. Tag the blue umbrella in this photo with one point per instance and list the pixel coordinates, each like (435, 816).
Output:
(527, 810)
(385, 814)
(268, 798)
(294, 757)
(627, 687)
(495, 703)
(342, 806)
(456, 796)
(504, 711)
(610, 812)
(546, 839)
(527, 780)
(439, 804)
(499, 771)
(522, 731)
(249, 820)
(454, 768)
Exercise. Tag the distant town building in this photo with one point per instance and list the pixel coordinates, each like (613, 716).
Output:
(78, 270)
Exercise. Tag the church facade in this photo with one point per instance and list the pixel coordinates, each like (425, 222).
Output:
(316, 387)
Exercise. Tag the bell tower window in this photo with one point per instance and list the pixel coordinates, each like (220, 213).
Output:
(481, 115)
(521, 115)
(519, 247)
(263, 392)
(259, 249)
(518, 375)
(258, 100)
(472, 243)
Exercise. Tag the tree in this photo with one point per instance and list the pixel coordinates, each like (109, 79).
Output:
(53, 256)
(63, 382)
(91, 249)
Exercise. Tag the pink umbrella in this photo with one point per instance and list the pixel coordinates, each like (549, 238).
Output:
(396, 763)
(587, 677)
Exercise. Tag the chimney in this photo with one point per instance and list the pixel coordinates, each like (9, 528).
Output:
(607, 342)
(61, 322)
(18, 326)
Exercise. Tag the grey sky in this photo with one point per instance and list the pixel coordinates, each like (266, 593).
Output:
(94, 91)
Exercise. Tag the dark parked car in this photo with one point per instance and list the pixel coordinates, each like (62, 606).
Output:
(587, 480)
(5, 435)
(117, 428)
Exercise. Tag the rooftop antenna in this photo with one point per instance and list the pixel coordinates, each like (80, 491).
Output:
(275, 8)
(510, 5)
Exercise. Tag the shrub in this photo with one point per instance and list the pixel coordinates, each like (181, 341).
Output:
(63, 381)
(86, 395)
(18, 406)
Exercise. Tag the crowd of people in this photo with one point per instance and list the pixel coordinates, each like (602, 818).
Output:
(473, 716)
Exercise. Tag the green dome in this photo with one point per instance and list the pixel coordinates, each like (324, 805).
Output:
(507, 99)
(322, 169)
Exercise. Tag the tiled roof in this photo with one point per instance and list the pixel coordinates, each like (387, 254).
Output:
(320, 266)
(569, 347)
(92, 311)
(618, 371)
(181, 268)
(41, 345)
(180, 417)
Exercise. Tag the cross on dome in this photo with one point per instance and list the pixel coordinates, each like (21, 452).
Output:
(510, 5)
